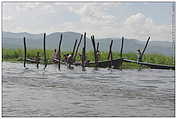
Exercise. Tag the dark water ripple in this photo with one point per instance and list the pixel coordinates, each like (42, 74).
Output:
(32, 92)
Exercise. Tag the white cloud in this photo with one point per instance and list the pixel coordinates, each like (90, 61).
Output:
(140, 27)
(94, 13)
(24, 7)
(94, 18)
(136, 26)
(138, 19)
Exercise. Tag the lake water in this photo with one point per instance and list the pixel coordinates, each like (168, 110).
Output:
(33, 92)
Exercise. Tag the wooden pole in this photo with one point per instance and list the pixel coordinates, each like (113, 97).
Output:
(24, 40)
(59, 52)
(110, 54)
(45, 58)
(37, 60)
(142, 53)
(95, 54)
(110, 48)
(74, 48)
(77, 48)
(111, 59)
(84, 55)
(144, 48)
(85, 40)
(97, 48)
(121, 51)
(83, 59)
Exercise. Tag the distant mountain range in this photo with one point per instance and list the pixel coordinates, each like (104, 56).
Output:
(15, 40)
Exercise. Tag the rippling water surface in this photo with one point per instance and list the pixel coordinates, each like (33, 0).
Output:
(32, 92)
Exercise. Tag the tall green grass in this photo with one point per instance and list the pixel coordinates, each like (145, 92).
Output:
(18, 54)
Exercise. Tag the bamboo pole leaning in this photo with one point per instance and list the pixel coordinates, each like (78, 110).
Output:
(74, 59)
(145, 47)
(59, 51)
(74, 49)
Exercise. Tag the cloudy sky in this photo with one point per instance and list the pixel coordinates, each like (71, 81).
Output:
(104, 19)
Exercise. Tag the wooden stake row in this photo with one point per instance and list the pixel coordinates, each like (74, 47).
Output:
(75, 51)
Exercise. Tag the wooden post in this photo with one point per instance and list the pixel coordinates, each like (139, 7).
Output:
(97, 47)
(110, 48)
(95, 53)
(83, 59)
(74, 49)
(24, 40)
(110, 54)
(45, 58)
(85, 40)
(84, 48)
(77, 48)
(142, 53)
(84, 53)
(121, 51)
(59, 52)
(37, 60)
(144, 49)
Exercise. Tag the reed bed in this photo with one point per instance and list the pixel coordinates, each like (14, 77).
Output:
(18, 54)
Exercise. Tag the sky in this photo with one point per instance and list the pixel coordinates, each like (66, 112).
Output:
(135, 20)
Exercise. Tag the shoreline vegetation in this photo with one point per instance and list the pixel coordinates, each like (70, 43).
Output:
(16, 55)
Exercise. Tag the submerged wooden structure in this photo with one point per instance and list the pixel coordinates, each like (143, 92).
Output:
(115, 63)
(110, 62)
